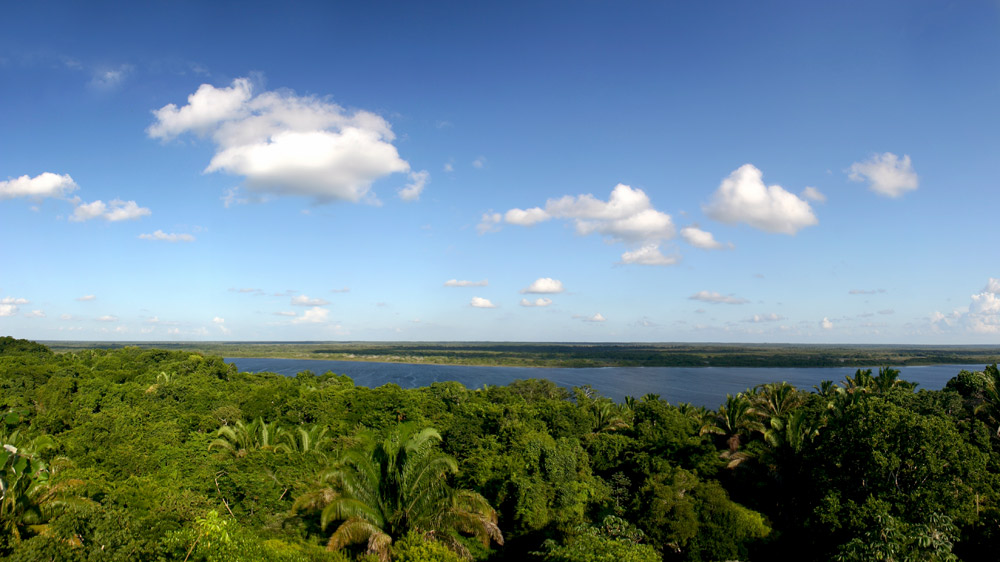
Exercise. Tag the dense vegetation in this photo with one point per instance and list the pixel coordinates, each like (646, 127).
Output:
(584, 354)
(145, 454)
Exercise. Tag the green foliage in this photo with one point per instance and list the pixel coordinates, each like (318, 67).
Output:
(145, 454)
(614, 540)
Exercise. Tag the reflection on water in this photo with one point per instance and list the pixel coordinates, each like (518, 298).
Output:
(701, 386)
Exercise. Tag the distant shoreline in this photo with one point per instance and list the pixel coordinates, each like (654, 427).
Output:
(512, 354)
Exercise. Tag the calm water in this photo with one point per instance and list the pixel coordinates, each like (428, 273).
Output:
(702, 386)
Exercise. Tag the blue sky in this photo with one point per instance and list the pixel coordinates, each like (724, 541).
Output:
(555, 171)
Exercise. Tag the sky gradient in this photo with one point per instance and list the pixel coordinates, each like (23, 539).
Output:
(556, 171)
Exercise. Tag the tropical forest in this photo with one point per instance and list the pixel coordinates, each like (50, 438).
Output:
(146, 454)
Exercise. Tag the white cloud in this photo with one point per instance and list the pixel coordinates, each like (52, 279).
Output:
(992, 286)
(743, 197)
(116, 210)
(285, 313)
(286, 144)
(826, 324)
(813, 194)
(649, 255)
(449, 167)
(760, 318)
(163, 236)
(219, 320)
(8, 310)
(43, 185)
(526, 217)
(66, 317)
(542, 301)
(341, 290)
(865, 291)
(231, 197)
(35, 314)
(314, 315)
(479, 302)
(107, 318)
(544, 285)
(303, 300)
(699, 238)
(886, 174)
(221, 323)
(716, 298)
(412, 191)
(12, 300)
(110, 78)
(86, 298)
(489, 223)
(627, 216)
(479, 163)
(595, 318)
(457, 283)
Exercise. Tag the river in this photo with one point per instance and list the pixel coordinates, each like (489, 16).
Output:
(701, 386)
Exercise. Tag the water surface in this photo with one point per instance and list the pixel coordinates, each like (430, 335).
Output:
(701, 386)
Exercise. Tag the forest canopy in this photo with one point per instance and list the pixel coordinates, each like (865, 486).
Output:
(151, 454)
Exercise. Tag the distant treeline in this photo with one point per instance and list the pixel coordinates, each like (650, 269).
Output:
(590, 354)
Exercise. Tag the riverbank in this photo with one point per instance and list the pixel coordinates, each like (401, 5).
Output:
(576, 355)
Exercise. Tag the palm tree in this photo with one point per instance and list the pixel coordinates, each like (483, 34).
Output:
(28, 495)
(313, 439)
(734, 419)
(608, 417)
(888, 379)
(241, 438)
(776, 400)
(379, 491)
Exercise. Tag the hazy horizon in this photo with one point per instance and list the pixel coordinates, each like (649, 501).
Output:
(559, 172)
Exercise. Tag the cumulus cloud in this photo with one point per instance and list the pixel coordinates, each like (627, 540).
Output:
(303, 300)
(699, 238)
(221, 323)
(649, 254)
(412, 190)
(116, 210)
(542, 301)
(743, 197)
(526, 217)
(457, 283)
(12, 300)
(8, 309)
(479, 163)
(595, 318)
(627, 217)
(813, 194)
(164, 237)
(86, 298)
(716, 298)
(826, 324)
(314, 315)
(544, 285)
(285, 144)
(43, 185)
(35, 314)
(107, 318)
(886, 174)
(479, 302)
